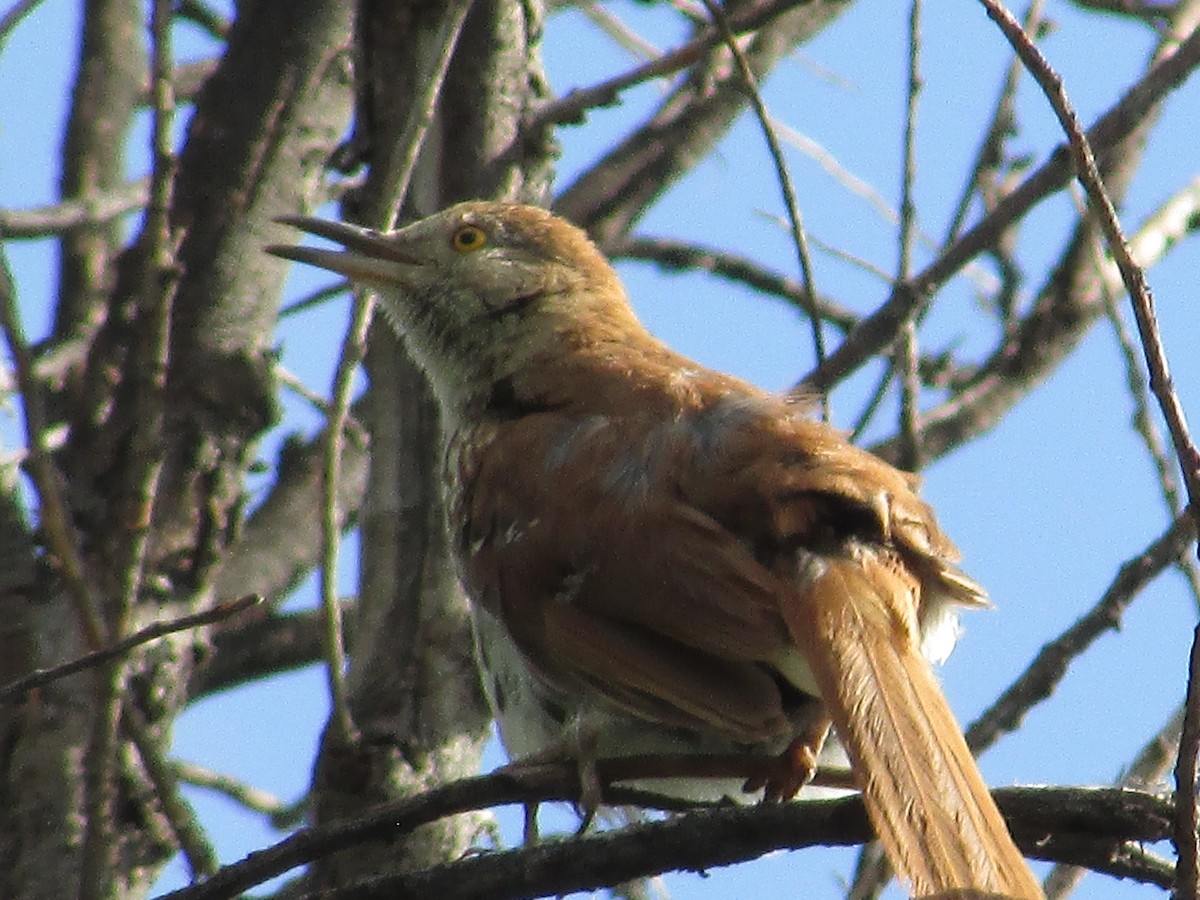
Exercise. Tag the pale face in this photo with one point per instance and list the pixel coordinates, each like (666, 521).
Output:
(477, 290)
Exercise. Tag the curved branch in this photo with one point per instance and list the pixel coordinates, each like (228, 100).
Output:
(1110, 131)
(96, 208)
(1096, 824)
(613, 194)
(1066, 307)
(282, 642)
(1038, 681)
(1132, 275)
(683, 256)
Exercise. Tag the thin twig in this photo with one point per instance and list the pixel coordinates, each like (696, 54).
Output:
(252, 798)
(288, 379)
(681, 256)
(571, 107)
(14, 690)
(315, 299)
(391, 189)
(873, 404)
(855, 185)
(1132, 274)
(187, 78)
(92, 209)
(55, 518)
(837, 171)
(992, 387)
(184, 823)
(618, 32)
(353, 349)
(1138, 10)
(1139, 393)
(990, 155)
(879, 329)
(799, 237)
(13, 17)
(874, 871)
(1050, 666)
(204, 17)
(1187, 842)
(906, 360)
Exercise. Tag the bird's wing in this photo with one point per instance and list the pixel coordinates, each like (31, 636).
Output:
(611, 582)
(869, 564)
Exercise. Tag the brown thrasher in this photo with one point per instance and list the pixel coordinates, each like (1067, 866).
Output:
(666, 558)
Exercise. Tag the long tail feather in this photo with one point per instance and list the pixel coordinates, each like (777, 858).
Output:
(923, 791)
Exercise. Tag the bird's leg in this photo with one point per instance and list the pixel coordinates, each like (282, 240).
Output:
(529, 825)
(794, 767)
(577, 744)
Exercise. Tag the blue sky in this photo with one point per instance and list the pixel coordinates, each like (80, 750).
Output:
(1045, 508)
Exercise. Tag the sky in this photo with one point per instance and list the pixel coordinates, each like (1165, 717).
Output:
(1045, 507)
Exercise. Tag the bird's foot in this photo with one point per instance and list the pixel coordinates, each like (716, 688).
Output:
(795, 767)
(576, 746)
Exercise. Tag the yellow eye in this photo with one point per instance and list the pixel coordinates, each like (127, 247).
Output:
(468, 238)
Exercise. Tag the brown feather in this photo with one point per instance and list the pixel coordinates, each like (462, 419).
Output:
(923, 791)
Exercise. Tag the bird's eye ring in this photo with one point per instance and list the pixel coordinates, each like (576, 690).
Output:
(468, 239)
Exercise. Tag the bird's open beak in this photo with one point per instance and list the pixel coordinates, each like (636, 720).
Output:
(369, 256)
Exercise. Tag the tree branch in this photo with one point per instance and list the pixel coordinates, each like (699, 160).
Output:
(1039, 680)
(881, 328)
(1048, 823)
(1133, 275)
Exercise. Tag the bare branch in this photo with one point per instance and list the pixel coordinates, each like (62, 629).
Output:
(15, 690)
(92, 209)
(1144, 773)
(138, 491)
(881, 328)
(1138, 10)
(1133, 275)
(572, 107)
(799, 236)
(188, 78)
(315, 299)
(679, 255)
(55, 518)
(252, 798)
(1038, 681)
(207, 18)
(521, 873)
(351, 356)
(991, 156)
(1185, 836)
(185, 825)
(260, 648)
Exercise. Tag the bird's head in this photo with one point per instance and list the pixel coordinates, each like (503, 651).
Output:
(479, 290)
